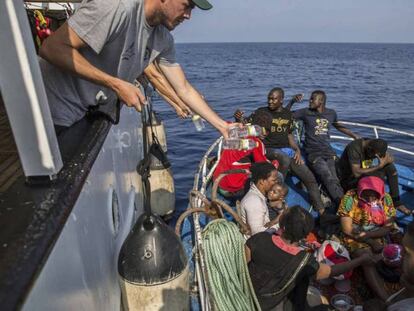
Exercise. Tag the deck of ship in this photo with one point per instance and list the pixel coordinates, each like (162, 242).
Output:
(10, 167)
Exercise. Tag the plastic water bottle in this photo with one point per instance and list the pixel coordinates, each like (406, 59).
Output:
(248, 130)
(239, 144)
(198, 122)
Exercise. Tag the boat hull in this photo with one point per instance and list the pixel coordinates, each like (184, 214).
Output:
(80, 272)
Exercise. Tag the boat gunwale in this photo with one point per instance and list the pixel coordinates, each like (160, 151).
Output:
(38, 215)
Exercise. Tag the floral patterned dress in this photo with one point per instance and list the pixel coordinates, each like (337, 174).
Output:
(361, 218)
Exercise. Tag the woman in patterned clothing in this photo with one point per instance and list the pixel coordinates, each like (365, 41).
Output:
(367, 217)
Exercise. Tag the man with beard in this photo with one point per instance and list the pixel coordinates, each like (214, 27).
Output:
(317, 121)
(105, 46)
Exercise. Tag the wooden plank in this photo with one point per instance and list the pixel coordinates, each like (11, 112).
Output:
(11, 172)
(11, 180)
(7, 162)
(10, 167)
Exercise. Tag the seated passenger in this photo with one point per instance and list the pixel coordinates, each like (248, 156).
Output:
(404, 299)
(233, 185)
(367, 217)
(276, 200)
(317, 121)
(280, 143)
(358, 160)
(254, 209)
(280, 270)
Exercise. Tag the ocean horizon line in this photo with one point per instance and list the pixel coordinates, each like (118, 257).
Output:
(292, 42)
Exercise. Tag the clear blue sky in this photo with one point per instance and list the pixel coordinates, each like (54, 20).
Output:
(301, 21)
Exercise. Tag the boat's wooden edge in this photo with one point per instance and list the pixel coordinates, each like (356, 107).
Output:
(32, 217)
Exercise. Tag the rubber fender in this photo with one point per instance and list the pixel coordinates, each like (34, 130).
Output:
(153, 268)
(162, 192)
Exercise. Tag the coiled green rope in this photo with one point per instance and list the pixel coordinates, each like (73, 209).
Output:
(228, 275)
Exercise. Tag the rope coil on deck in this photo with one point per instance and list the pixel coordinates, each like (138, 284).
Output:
(229, 277)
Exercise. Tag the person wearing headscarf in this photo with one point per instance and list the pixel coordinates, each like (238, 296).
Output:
(367, 217)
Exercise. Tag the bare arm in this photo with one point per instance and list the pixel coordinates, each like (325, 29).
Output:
(295, 99)
(186, 92)
(62, 50)
(274, 221)
(340, 127)
(164, 88)
(357, 170)
(326, 271)
(347, 229)
(294, 146)
(365, 237)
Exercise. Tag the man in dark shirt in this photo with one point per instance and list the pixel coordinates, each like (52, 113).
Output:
(359, 159)
(280, 143)
(317, 121)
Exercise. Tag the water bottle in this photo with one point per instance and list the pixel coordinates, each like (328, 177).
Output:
(239, 144)
(248, 130)
(198, 122)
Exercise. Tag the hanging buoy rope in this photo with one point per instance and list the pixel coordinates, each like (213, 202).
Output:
(229, 278)
(160, 173)
(152, 265)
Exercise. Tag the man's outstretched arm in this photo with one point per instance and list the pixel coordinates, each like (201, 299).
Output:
(295, 99)
(340, 127)
(62, 50)
(159, 81)
(176, 77)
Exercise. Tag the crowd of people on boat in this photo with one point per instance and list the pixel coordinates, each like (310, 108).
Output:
(105, 47)
(280, 238)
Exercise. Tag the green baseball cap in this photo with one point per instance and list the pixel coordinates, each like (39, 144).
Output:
(202, 4)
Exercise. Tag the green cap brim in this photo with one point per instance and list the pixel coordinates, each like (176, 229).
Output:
(202, 4)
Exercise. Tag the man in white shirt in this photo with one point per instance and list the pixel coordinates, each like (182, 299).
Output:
(254, 209)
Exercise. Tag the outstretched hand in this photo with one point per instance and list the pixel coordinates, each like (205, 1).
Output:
(387, 159)
(238, 115)
(225, 130)
(298, 158)
(297, 98)
(182, 113)
(130, 94)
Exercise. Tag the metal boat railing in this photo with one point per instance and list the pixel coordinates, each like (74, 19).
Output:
(203, 177)
(376, 129)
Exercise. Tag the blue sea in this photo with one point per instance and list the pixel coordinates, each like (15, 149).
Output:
(366, 83)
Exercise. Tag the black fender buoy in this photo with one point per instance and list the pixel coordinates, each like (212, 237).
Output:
(153, 268)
